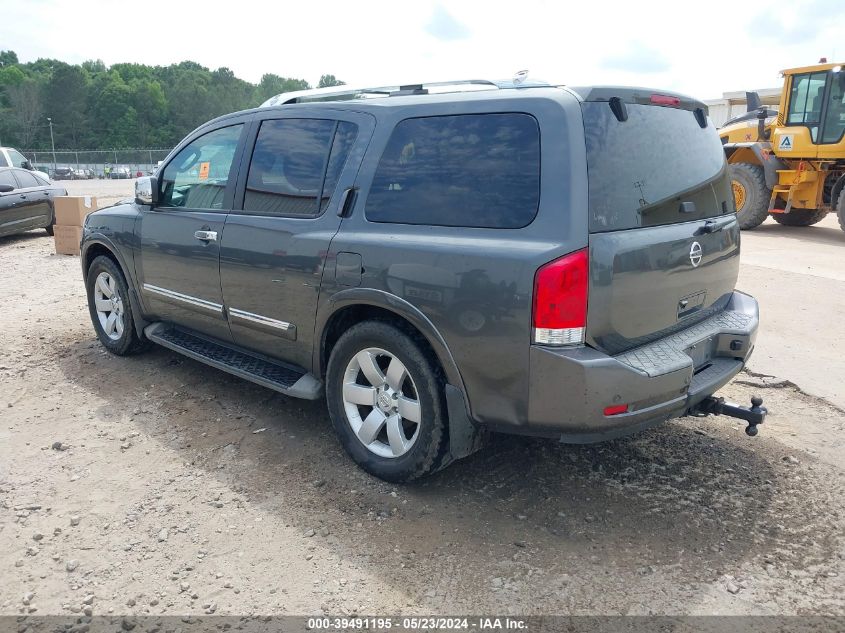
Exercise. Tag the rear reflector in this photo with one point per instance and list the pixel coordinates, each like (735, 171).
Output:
(560, 300)
(665, 100)
(616, 409)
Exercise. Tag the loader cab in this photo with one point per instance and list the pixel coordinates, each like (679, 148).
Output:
(813, 119)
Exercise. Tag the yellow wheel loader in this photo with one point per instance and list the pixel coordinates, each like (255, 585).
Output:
(790, 163)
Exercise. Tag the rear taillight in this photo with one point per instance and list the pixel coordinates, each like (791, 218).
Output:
(560, 300)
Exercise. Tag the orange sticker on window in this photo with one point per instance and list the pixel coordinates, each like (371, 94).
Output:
(204, 167)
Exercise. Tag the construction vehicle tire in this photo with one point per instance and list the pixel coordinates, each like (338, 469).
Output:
(840, 209)
(800, 217)
(750, 194)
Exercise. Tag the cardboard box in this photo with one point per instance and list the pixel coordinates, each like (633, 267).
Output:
(67, 239)
(71, 210)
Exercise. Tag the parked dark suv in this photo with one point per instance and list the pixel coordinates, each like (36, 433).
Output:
(440, 262)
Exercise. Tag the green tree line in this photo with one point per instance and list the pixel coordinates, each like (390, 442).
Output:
(94, 106)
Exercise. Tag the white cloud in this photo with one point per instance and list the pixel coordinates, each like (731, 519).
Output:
(639, 59)
(382, 41)
(444, 27)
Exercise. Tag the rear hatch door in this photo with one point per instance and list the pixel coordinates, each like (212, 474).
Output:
(664, 242)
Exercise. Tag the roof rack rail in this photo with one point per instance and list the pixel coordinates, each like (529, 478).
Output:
(346, 93)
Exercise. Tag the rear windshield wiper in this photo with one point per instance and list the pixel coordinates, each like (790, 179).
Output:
(713, 226)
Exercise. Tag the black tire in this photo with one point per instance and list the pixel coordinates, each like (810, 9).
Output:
(49, 227)
(840, 209)
(753, 205)
(427, 452)
(800, 217)
(128, 342)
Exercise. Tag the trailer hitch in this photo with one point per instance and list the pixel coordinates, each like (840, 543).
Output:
(717, 406)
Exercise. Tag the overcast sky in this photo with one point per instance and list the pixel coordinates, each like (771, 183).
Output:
(701, 48)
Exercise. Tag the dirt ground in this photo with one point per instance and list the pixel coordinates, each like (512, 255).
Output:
(154, 484)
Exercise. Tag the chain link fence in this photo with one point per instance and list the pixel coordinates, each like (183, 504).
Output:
(115, 162)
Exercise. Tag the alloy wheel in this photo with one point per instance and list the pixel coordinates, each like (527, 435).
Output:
(382, 403)
(109, 306)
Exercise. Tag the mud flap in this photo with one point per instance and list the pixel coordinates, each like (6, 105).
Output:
(465, 438)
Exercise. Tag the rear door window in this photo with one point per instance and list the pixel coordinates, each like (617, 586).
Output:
(344, 138)
(26, 179)
(658, 167)
(472, 170)
(295, 165)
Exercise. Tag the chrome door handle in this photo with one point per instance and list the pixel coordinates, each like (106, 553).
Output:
(206, 236)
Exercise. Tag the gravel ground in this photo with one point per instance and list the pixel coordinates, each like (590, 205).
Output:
(157, 485)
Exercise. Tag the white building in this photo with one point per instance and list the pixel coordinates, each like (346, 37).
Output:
(734, 103)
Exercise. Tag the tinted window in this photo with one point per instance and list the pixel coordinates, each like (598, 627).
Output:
(3, 161)
(294, 160)
(344, 137)
(641, 170)
(6, 178)
(26, 179)
(468, 170)
(197, 177)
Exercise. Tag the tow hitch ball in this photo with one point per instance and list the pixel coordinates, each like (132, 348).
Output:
(717, 406)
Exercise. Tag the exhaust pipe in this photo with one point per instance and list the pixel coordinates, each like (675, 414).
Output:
(717, 406)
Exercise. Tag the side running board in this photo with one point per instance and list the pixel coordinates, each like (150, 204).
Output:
(272, 374)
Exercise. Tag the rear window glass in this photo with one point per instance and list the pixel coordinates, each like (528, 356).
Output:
(26, 179)
(658, 167)
(287, 167)
(344, 138)
(474, 170)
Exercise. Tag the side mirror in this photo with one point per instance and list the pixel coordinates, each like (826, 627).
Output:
(27, 165)
(6, 188)
(146, 191)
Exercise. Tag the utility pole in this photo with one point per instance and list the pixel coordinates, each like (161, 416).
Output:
(52, 143)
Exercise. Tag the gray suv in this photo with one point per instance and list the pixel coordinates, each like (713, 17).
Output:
(439, 262)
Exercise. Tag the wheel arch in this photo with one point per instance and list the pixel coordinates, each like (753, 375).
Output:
(741, 155)
(759, 154)
(352, 306)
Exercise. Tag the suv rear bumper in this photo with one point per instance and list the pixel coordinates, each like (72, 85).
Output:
(570, 388)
